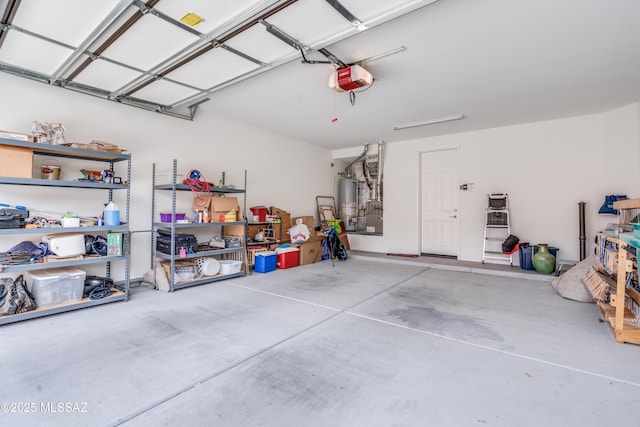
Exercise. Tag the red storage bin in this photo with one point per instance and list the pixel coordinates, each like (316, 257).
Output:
(260, 212)
(287, 259)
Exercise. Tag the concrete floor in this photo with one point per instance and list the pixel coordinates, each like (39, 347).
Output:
(373, 341)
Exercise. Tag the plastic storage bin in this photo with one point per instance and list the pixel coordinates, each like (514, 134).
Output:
(56, 285)
(265, 261)
(260, 212)
(166, 216)
(228, 266)
(527, 251)
(66, 244)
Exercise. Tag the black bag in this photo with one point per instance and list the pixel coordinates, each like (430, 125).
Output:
(509, 244)
(183, 240)
(15, 297)
(333, 247)
(95, 245)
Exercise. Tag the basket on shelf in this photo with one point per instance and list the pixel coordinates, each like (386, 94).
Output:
(251, 254)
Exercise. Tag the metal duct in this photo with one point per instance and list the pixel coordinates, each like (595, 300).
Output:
(357, 172)
(367, 174)
(348, 168)
(379, 175)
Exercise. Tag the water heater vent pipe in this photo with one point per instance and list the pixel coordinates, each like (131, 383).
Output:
(364, 153)
(379, 175)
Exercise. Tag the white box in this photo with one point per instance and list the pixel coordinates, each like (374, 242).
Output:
(16, 136)
(56, 285)
(70, 222)
(66, 244)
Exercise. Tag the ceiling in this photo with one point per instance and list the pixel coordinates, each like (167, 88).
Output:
(267, 63)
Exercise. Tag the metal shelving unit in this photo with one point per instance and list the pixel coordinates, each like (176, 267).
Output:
(174, 187)
(79, 154)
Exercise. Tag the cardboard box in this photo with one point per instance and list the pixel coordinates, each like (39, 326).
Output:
(16, 162)
(310, 251)
(114, 244)
(252, 230)
(17, 136)
(277, 211)
(344, 239)
(221, 207)
(285, 218)
(184, 270)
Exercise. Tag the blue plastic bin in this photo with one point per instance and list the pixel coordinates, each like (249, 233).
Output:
(526, 253)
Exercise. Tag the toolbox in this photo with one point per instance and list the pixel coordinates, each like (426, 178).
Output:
(183, 240)
(13, 218)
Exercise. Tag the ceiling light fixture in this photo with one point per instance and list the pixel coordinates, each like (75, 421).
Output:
(429, 122)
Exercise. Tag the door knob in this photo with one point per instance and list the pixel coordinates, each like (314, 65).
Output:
(453, 216)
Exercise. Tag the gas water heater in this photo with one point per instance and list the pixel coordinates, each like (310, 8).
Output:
(348, 202)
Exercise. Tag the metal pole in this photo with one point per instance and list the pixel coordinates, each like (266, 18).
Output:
(583, 237)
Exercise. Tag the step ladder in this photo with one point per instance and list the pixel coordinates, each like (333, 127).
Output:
(326, 208)
(497, 228)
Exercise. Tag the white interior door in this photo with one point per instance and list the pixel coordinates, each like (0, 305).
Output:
(439, 202)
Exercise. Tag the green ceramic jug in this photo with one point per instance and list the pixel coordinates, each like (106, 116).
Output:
(543, 261)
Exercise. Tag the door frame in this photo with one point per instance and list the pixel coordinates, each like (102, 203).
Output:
(420, 195)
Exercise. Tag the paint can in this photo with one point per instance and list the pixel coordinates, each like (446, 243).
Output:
(50, 172)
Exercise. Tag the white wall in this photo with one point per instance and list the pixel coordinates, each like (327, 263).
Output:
(546, 168)
(281, 171)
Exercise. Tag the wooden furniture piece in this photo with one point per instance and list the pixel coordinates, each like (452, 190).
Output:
(616, 296)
